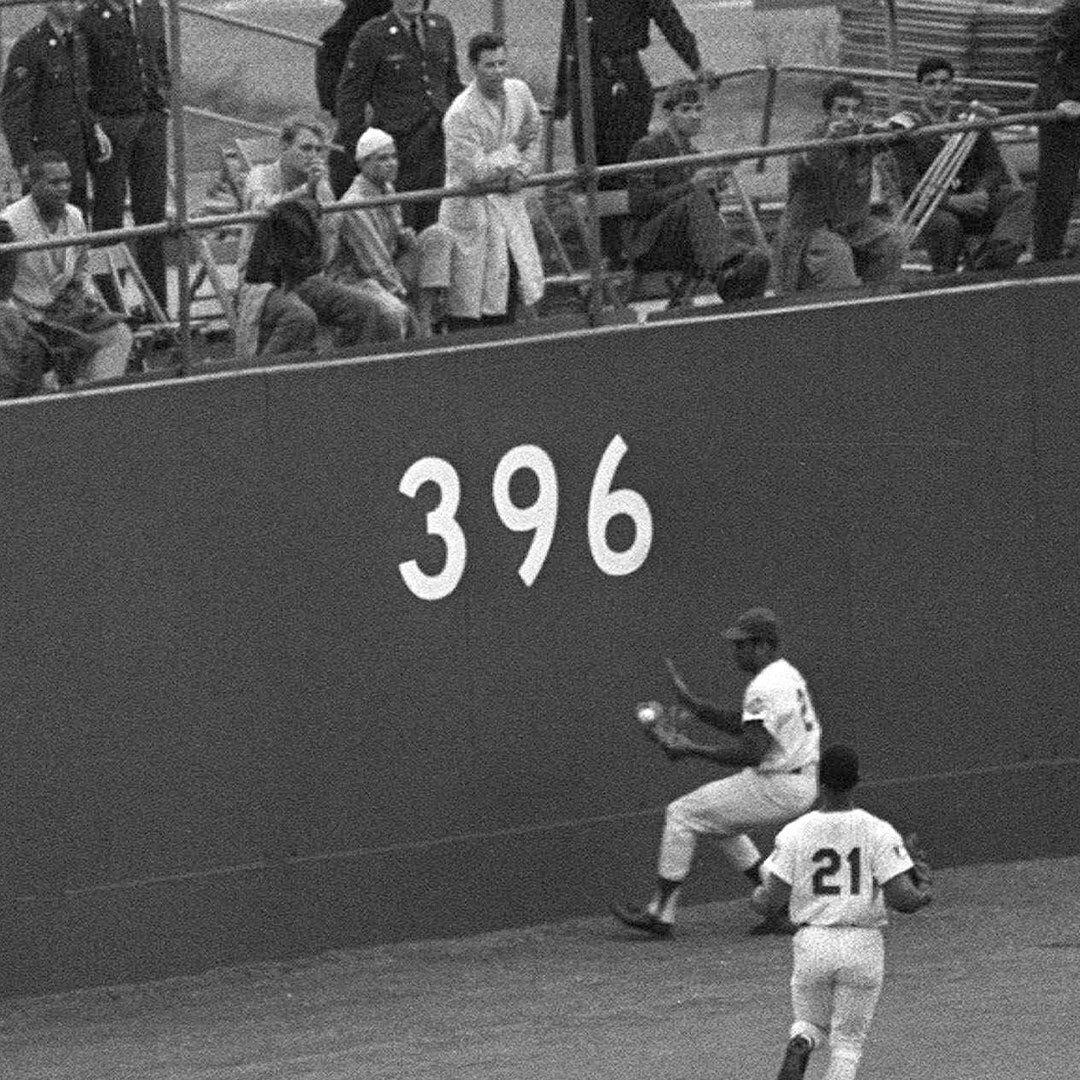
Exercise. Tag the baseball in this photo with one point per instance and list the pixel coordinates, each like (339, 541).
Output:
(649, 712)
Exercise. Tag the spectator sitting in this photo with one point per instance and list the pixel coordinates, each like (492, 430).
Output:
(53, 287)
(492, 134)
(299, 170)
(298, 243)
(828, 237)
(285, 294)
(23, 354)
(677, 225)
(379, 254)
(983, 203)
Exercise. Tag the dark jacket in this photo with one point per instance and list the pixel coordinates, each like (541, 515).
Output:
(334, 44)
(1056, 57)
(618, 27)
(829, 187)
(404, 85)
(129, 68)
(650, 192)
(45, 97)
(287, 247)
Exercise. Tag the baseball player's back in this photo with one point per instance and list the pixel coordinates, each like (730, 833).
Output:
(779, 699)
(835, 869)
(836, 862)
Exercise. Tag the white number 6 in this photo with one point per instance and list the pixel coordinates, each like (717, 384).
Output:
(440, 522)
(604, 504)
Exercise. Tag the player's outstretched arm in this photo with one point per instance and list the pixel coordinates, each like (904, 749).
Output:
(729, 720)
(735, 751)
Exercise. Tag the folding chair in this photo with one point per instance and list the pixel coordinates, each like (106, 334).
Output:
(617, 285)
(116, 260)
(259, 149)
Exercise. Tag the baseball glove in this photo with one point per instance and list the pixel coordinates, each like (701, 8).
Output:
(659, 723)
(920, 872)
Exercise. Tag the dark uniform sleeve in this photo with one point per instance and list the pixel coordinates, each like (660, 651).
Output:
(666, 16)
(355, 86)
(454, 85)
(1056, 56)
(560, 105)
(17, 101)
(334, 46)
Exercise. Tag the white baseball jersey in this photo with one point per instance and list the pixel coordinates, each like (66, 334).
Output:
(778, 697)
(836, 862)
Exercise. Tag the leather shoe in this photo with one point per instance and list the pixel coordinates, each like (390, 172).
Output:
(641, 919)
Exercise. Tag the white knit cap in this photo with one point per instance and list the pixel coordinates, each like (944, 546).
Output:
(371, 142)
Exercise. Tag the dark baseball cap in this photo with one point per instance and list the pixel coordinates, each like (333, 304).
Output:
(759, 624)
(839, 768)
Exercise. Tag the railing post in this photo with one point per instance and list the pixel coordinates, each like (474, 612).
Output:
(892, 52)
(176, 108)
(771, 75)
(588, 166)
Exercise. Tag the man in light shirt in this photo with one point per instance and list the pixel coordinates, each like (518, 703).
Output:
(53, 287)
(773, 739)
(834, 870)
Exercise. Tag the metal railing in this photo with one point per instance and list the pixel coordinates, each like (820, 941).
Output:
(586, 176)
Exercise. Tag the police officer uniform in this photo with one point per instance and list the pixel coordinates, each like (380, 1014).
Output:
(44, 103)
(408, 79)
(129, 86)
(334, 44)
(622, 92)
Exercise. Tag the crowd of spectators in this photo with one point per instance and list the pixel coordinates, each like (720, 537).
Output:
(84, 106)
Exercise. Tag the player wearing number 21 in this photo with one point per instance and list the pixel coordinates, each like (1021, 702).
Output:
(835, 869)
(773, 741)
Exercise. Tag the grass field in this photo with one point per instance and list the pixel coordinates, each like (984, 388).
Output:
(982, 985)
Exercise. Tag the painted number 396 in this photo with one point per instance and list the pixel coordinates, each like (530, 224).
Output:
(539, 517)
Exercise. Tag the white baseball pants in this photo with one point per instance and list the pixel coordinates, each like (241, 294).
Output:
(726, 809)
(836, 978)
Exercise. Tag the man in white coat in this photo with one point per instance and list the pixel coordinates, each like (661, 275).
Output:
(492, 144)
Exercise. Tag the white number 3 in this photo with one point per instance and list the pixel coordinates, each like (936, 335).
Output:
(440, 522)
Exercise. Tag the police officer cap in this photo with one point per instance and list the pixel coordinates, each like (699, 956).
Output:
(839, 768)
(758, 624)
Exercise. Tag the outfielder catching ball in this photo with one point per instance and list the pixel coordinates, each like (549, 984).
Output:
(834, 869)
(773, 740)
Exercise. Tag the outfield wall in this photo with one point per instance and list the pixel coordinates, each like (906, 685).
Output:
(233, 727)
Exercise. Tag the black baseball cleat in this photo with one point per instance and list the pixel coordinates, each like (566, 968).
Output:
(774, 924)
(795, 1058)
(641, 919)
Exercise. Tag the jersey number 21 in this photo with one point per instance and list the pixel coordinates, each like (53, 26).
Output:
(829, 874)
